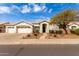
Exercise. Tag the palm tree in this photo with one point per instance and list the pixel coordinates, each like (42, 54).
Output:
(62, 19)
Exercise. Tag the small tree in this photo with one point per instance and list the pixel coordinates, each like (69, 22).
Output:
(62, 19)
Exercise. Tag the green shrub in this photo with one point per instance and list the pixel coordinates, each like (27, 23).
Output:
(75, 31)
(51, 31)
(72, 31)
(28, 35)
(36, 31)
(35, 34)
(57, 31)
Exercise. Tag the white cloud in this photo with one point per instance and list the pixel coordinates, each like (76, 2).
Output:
(25, 9)
(36, 8)
(15, 7)
(31, 7)
(4, 9)
(43, 7)
(50, 10)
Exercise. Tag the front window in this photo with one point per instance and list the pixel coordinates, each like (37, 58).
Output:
(10, 27)
(36, 29)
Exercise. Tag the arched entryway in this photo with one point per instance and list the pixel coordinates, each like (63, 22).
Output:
(44, 27)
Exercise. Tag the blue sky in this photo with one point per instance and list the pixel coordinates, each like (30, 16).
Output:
(32, 12)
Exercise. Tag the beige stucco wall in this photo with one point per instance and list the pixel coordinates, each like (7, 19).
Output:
(53, 27)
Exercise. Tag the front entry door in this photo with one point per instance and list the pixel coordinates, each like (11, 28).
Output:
(44, 28)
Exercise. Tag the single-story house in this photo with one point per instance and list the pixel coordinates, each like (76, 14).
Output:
(24, 27)
(73, 25)
(3, 27)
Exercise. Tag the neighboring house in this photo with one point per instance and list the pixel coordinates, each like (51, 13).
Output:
(3, 27)
(73, 25)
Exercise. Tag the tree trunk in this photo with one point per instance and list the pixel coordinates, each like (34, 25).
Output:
(65, 30)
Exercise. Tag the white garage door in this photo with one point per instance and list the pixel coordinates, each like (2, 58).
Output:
(24, 30)
(11, 30)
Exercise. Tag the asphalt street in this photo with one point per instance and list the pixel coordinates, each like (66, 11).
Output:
(40, 50)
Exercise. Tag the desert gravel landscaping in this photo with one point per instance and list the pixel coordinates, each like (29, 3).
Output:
(62, 36)
(6, 38)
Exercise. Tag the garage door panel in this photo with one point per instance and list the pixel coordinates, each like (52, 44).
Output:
(11, 31)
(24, 30)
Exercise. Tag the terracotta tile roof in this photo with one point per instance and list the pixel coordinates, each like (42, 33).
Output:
(77, 23)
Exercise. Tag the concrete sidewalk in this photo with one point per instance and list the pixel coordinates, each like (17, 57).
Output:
(38, 41)
(51, 41)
